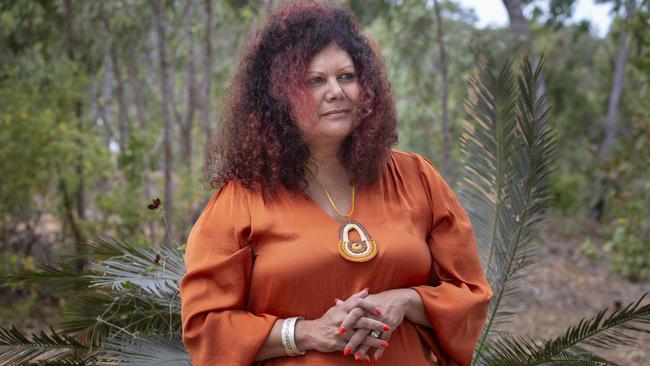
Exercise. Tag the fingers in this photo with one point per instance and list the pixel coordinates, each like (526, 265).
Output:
(354, 302)
(362, 354)
(383, 344)
(350, 319)
(363, 293)
(368, 323)
(379, 352)
(354, 342)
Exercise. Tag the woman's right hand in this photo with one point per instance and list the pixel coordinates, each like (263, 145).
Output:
(325, 334)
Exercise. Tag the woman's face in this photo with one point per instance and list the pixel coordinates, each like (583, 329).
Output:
(331, 82)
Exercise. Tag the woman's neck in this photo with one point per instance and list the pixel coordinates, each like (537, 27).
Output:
(329, 168)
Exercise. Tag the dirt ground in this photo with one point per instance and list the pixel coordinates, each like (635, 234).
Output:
(562, 288)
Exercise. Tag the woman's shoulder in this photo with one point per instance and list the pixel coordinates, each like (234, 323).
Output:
(413, 161)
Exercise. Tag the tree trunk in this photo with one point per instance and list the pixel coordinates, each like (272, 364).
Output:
(107, 98)
(79, 167)
(447, 163)
(188, 122)
(518, 23)
(123, 113)
(165, 87)
(617, 92)
(207, 77)
(598, 208)
(134, 79)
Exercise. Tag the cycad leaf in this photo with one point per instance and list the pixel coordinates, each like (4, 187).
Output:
(507, 152)
(64, 278)
(17, 348)
(144, 351)
(605, 330)
(105, 314)
(156, 273)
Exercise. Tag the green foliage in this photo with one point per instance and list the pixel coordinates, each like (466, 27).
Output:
(632, 253)
(18, 349)
(565, 193)
(124, 297)
(587, 249)
(607, 329)
(129, 303)
(127, 293)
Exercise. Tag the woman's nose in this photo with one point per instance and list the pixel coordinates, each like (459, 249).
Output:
(334, 90)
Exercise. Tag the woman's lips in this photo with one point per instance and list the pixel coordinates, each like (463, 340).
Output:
(337, 114)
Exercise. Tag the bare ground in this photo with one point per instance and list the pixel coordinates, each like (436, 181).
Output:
(562, 288)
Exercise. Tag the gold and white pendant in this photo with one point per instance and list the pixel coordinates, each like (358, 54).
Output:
(356, 250)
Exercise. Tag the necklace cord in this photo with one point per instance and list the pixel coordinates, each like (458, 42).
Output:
(329, 198)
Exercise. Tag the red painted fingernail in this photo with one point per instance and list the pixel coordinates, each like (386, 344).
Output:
(384, 344)
(377, 356)
(377, 311)
(366, 289)
(357, 355)
(386, 328)
(347, 351)
(341, 330)
(367, 360)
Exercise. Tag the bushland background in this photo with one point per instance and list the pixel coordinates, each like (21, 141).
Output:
(108, 105)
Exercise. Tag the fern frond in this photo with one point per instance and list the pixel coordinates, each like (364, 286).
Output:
(17, 348)
(144, 351)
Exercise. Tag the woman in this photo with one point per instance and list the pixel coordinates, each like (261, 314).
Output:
(323, 245)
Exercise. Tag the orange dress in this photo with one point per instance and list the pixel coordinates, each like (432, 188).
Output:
(251, 261)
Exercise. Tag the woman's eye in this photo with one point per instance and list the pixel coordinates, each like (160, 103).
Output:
(316, 80)
(348, 76)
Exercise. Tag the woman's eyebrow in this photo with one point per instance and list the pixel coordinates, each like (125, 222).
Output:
(341, 69)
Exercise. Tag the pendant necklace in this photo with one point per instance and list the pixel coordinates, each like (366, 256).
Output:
(353, 250)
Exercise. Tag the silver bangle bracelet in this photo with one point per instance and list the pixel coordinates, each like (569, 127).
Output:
(288, 336)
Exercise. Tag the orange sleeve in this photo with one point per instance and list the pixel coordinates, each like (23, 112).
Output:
(217, 329)
(457, 299)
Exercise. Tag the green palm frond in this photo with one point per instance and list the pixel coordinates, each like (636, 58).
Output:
(509, 350)
(106, 248)
(156, 273)
(606, 329)
(507, 151)
(144, 351)
(63, 278)
(16, 348)
(104, 314)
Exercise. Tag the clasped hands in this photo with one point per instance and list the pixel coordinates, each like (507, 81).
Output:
(347, 326)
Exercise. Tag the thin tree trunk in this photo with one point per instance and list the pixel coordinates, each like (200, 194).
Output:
(107, 98)
(617, 92)
(134, 79)
(165, 87)
(188, 122)
(123, 113)
(444, 68)
(79, 167)
(598, 208)
(207, 77)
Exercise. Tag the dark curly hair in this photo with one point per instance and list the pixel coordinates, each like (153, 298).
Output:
(258, 141)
